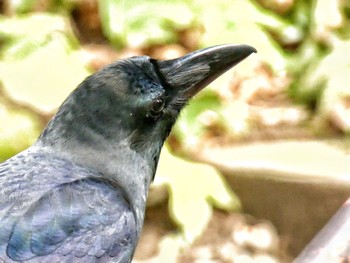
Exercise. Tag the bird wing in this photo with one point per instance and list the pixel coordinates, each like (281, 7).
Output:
(87, 220)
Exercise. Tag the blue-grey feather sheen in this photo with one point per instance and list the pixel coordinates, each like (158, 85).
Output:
(42, 168)
(38, 160)
(76, 151)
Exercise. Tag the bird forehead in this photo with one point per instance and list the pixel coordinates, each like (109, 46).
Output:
(140, 77)
(144, 85)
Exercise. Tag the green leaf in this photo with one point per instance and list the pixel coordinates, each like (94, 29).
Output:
(329, 75)
(206, 116)
(328, 15)
(335, 69)
(194, 188)
(140, 23)
(20, 6)
(18, 130)
(240, 22)
(34, 25)
(188, 129)
(302, 65)
(42, 51)
(169, 248)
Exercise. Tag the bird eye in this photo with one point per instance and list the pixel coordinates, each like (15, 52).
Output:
(157, 107)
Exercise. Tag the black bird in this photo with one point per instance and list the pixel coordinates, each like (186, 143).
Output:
(79, 193)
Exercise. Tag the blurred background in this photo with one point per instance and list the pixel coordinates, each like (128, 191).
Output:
(257, 163)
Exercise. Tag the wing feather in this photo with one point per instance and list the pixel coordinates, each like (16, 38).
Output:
(84, 218)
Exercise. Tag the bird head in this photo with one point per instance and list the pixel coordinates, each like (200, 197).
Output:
(134, 102)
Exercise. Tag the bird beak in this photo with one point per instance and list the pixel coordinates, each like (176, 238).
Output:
(189, 74)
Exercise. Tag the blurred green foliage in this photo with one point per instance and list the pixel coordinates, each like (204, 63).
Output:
(19, 129)
(42, 50)
(39, 67)
(325, 27)
(41, 62)
(191, 207)
(21, 6)
(141, 23)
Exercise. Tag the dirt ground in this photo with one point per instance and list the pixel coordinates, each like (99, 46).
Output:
(229, 237)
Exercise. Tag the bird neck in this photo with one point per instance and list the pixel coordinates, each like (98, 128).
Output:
(131, 169)
(106, 145)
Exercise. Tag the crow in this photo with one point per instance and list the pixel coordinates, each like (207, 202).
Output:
(78, 193)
